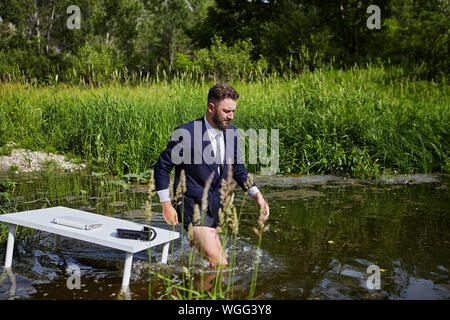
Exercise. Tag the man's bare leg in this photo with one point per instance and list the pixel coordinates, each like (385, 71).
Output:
(207, 241)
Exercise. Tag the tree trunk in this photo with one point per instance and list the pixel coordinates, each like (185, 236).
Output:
(49, 31)
(37, 23)
(355, 29)
(344, 29)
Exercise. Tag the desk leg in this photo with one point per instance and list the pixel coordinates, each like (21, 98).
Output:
(12, 287)
(12, 282)
(57, 241)
(10, 246)
(165, 253)
(127, 270)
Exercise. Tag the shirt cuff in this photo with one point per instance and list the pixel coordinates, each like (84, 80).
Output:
(164, 195)
(252, 191)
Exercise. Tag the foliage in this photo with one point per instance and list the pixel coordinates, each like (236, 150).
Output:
(359, 122)
(6, 189)
(229, 62)
(132, 39)
(422, 42)
(94, 65)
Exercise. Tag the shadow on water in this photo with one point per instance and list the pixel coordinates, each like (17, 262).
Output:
(324, 234)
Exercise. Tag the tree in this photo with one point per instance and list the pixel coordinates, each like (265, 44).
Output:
(417, 33)
(234, 20)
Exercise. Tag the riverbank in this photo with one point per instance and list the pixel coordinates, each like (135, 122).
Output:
(356, 123)
(22, 161)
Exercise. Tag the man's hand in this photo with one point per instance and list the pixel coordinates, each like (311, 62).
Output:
(262, 206)
(169, 213)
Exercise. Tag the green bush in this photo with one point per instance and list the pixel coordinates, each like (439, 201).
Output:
(420, 47)
(229, 62)
(94, 65)
(9, 70)
(24, 65)
(184, 62)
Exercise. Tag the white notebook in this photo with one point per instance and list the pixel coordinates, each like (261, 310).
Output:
(77, 222)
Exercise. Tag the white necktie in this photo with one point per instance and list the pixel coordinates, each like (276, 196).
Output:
(219, 160)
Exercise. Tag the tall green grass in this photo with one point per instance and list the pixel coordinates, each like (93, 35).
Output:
(359, 122)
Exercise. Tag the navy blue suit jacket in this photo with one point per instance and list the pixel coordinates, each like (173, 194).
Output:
(198, 173)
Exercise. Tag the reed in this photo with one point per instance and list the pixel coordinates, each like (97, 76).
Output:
(198, 283)
(360, 122)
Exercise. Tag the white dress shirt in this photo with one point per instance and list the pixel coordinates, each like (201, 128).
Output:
(213, 134)
(216, 138)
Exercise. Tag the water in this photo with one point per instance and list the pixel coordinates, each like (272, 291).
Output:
(324, 234)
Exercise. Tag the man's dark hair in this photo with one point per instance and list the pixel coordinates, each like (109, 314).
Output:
(221, 91)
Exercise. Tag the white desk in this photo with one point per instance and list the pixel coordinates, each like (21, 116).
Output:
(41, 219)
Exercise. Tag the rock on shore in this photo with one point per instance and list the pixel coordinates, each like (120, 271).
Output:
(28, 161)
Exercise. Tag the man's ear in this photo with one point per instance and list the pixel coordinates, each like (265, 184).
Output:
(211, 108)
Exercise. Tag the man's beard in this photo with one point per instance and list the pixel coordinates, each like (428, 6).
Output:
(219, 124)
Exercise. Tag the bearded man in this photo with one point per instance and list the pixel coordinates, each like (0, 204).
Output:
(203, 149)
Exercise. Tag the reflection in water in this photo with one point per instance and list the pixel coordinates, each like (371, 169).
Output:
(8, 273)
(404, 229)
(324, 234)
